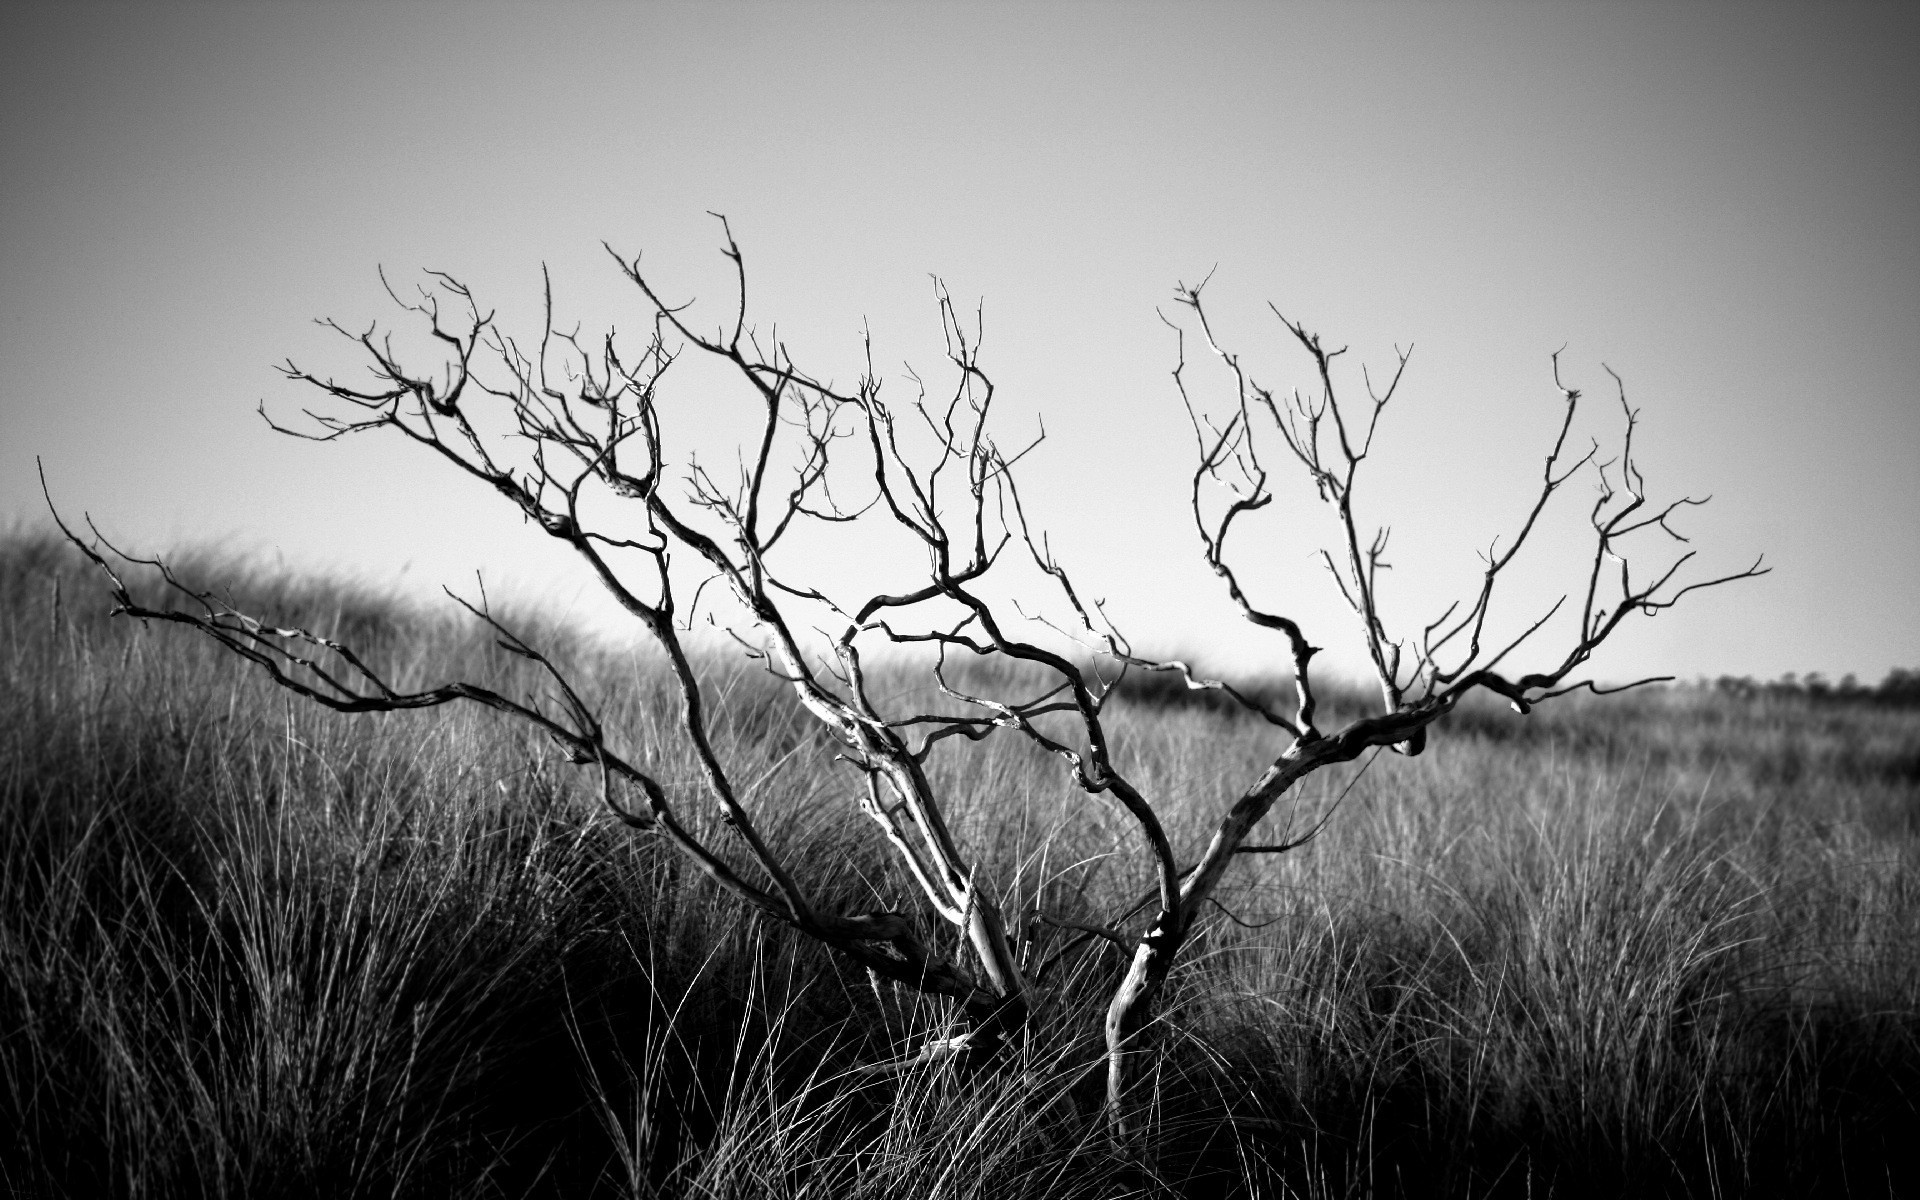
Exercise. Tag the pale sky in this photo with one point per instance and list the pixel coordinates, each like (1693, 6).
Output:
(1722, 202)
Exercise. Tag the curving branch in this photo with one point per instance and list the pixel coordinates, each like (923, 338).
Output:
(1329, 442)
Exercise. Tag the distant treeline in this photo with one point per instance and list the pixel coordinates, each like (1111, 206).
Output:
(1900, 689)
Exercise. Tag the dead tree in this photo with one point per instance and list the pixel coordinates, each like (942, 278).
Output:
(568, 431)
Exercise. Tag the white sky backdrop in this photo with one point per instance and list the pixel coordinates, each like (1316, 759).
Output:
(1721, 202)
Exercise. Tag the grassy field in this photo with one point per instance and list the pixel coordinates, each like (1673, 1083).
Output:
(1661, 944)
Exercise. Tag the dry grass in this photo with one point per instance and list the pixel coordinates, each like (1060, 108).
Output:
(1658, 945)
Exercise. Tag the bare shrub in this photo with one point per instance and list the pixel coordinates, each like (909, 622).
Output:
(568, 431)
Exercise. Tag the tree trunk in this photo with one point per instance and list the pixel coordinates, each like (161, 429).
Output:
(1007, 1020)
(1132, 1007)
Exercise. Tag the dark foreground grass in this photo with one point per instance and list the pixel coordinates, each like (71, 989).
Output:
(1659, 945)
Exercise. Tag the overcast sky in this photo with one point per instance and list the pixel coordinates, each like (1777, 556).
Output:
(1719, 202)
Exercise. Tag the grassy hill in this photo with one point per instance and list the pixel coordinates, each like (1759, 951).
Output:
(1659, 944)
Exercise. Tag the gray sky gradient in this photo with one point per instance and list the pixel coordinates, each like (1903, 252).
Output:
(1720, 202)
